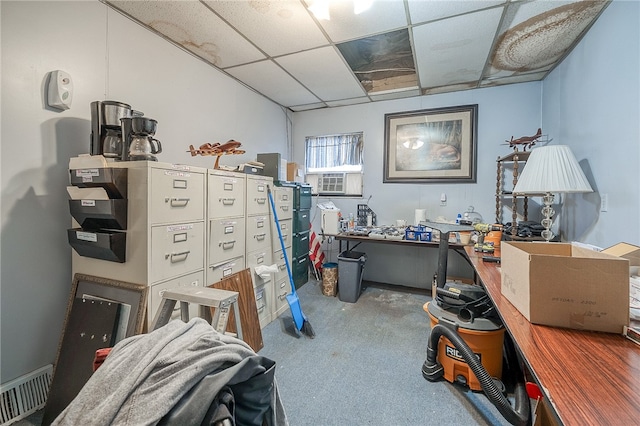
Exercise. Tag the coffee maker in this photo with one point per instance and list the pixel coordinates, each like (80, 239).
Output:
(106, 128)
(138, 143)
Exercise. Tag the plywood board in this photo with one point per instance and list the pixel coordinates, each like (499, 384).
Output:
(243, 284)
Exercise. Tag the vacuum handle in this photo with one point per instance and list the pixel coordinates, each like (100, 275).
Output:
(453, 295)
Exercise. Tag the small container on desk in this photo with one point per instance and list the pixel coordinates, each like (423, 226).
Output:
(417, 233)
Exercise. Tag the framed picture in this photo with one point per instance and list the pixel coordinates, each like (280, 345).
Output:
(100, 313)
(431, 146)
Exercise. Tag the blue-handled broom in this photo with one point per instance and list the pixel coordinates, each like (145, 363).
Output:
(299, 319)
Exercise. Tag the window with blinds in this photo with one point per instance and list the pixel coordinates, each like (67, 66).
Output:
(334, 153)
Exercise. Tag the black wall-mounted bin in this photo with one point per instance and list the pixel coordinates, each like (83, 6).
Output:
(100, 214)
(113, 180)
(103, 244)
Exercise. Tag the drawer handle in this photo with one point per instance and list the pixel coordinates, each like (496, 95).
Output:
(284, 236)
(261, 200)
(177, 202)
(261, 308)
(282, 296)
(183, 255)
(224, 244)
(260, 237)
(301, 261)
(227, 201)
(285, 208)
(282, 267)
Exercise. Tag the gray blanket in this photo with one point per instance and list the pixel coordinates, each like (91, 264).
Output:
(146, 375)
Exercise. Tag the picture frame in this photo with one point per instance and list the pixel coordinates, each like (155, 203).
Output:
(437, 145)
(100, 313)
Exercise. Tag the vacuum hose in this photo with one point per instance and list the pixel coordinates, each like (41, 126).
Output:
(432, 371)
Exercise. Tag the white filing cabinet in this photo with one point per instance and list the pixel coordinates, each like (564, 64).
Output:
(258, 238)
(190, 226)
(283, 200)
(165, 235)
(226, 224)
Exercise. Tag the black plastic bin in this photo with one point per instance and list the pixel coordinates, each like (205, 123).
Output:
(350, 267)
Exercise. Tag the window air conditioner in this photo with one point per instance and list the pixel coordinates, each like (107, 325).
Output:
(339, 183)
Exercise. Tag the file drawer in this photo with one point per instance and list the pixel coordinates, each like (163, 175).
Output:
(300, 244)
(283, 200)
(285, 230)
(226, 195)
(263, 303)
(225, 269)
(301, 221)
(280, 291)
(278, 259)
(176, 250)
(226, 239)
(259, 258)
(258, 232)
(176, 196)
(257, 199)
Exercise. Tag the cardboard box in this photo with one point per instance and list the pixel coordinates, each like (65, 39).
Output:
(626, 251)
(563, 285)
(542, 414)
(294, 172)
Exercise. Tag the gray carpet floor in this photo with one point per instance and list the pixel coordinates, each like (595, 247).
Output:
(364, 365)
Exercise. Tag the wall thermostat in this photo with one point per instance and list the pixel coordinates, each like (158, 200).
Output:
(60, 91)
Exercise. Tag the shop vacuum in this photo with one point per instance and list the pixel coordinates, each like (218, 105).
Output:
(467, 344)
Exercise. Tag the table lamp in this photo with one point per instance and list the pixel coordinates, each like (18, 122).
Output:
(551, 169)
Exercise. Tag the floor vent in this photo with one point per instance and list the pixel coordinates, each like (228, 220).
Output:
(24, 395)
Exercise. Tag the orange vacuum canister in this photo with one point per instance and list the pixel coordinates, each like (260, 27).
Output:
(483, 337)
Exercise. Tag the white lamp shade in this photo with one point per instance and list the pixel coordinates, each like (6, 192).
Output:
(552, 169)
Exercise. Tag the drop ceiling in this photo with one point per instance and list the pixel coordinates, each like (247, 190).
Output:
(394, 49)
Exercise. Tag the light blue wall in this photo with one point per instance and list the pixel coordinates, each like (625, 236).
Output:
(591, 102)
(503, 112)
(101, 50)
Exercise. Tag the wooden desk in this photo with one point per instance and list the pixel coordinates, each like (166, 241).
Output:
(589, 378)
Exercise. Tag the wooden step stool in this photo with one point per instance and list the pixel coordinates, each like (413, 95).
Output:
(221, 300)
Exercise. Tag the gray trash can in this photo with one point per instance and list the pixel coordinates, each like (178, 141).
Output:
(350, 267)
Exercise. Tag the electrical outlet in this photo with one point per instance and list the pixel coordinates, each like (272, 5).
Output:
(604, 202)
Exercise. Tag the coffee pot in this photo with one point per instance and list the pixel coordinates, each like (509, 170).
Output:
(106, 127)
(138, 141)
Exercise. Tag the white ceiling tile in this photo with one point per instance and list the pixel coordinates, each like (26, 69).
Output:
(536, 35)
(455, 50)
(519, 12)
(270, 80)
(279, 49)
(192, 25)
(384, 15)
(277, 27)
(423, 11)
(324, 72)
